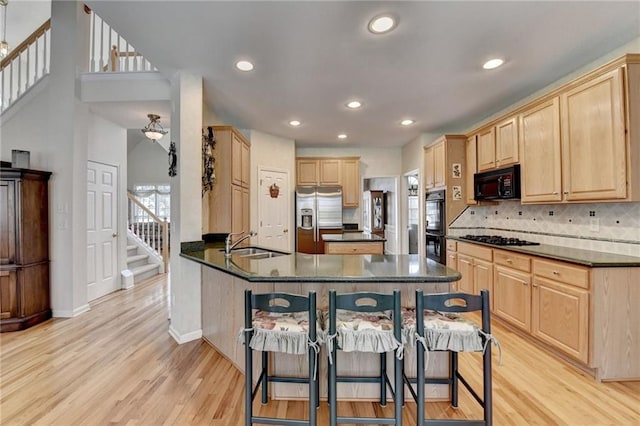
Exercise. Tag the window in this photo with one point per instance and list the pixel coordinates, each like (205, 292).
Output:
(157, 198)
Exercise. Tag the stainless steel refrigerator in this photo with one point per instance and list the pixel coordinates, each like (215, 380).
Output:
(318, 212)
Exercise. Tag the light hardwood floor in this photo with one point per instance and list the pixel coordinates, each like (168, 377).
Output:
(118, 364)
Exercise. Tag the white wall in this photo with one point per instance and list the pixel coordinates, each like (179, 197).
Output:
(148, 163)
(279, 153)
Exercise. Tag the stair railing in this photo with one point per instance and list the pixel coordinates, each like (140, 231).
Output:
(25, 65)
(149, 228)
(110, 52)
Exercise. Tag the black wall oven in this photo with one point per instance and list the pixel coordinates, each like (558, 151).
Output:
(435, 226)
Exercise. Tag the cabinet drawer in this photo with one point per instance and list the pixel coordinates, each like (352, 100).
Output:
(563, 272)
(512, 260)
(452, 245)
(354, 248)
(477, 251)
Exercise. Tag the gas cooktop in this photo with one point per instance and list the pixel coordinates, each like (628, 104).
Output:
(499, 241)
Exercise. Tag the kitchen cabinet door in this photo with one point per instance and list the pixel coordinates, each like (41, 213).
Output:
(465, 267)
(593, 139)
(330, 172)
(482, 276)
(236, 159)
(429, 168)
(439, 165)
(245, 166)
(471, 169)
(507, 142)
(486, 141)
(236, 209)
(351, 182)
(512, 296)
(561, 317)
(307, 171)
(541, 159)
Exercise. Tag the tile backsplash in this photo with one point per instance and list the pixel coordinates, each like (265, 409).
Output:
(607, 227)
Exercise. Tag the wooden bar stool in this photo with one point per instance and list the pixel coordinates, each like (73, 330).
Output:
(437, 326)
(367, 322)
(283, 323)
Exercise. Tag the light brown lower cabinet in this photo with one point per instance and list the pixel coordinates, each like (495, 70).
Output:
(587, 314)
(560, 303)
(512, 296)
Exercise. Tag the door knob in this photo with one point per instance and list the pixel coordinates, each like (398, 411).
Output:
(115, 234)
(285, 230)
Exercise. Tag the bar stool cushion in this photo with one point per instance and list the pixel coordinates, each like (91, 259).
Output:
(443, 331)
(364, 331)
(280, 332)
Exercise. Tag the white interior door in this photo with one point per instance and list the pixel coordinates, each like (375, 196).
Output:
(274, 205)
(102, 253)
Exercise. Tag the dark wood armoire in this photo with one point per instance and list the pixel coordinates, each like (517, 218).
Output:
(24, 248)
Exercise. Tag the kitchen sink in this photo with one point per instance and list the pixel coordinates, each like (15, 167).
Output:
(255, 253)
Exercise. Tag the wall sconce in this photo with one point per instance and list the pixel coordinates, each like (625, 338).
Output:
(154, 130)
(173, 159)
(208, 160)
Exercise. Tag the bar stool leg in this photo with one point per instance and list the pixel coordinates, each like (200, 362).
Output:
(454, 376)
(333, 409)
(265, 377)
(399, 386)
(383, 379)
(248, 380)
(313, 390)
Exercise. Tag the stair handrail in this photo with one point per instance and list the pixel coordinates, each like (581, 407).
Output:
(46, 25)
(25, 65)
(147, 235)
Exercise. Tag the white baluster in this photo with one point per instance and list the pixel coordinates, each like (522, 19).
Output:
(92, 65)
(101, 45)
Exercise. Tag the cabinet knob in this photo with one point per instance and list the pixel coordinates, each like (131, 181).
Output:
(556, 273)
(525, 283)
(509, 261)
(556, 192)
(565, 192)
(115, 234)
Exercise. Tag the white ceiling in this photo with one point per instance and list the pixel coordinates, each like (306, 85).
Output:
(311, 57)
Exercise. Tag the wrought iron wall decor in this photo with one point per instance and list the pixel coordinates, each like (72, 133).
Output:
(208, 161)
(173, 159)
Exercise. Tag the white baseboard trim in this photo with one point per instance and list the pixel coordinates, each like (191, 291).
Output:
(70, 314)
(184, 338)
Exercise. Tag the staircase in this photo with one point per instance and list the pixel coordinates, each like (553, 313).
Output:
(139, 263)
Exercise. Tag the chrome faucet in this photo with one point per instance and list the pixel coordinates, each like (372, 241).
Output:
(227, 242)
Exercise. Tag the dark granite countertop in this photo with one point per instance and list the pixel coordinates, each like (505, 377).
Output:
(352, 237)
(594, 259)
(300, 267)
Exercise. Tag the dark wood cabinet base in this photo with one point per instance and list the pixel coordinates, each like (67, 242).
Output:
(17, 324)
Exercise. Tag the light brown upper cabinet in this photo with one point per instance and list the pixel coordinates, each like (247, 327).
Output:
(307, 171)
(435, 164)
(507, 142)
(470, 169)
(350, 182)
(540, 145)
(325, 171)
(593, 139)
(578, 143)
(486, 154)
(240, 169)
(228, 203)
(444, 168)
(330, 171)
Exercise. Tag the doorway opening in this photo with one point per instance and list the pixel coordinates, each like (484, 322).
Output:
(413, 212)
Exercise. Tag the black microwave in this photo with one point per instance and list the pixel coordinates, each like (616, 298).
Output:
(502, 184)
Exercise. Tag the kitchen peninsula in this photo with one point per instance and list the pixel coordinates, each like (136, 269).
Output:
(225, 279)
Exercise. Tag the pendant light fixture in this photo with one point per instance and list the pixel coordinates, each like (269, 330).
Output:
(154, 130)
(4, 46)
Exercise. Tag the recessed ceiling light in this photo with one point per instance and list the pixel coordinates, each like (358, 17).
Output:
(294, 123)
(382, 24)
(493, 63)
(342, 136)
(244, 65)
(354, 104)
(407, 122)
